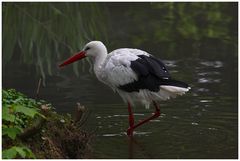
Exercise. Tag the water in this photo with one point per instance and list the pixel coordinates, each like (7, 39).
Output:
(201, 124)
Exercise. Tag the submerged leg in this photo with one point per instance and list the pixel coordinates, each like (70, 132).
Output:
(155, 115)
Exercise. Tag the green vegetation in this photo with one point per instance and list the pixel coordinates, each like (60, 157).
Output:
(30, 129)
(41, 33)
(14, 151)
(18, 111)
(175, 29)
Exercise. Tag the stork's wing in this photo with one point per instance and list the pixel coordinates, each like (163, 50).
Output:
(117, 68)
(151, 73)
(132, 70)
(149, 65)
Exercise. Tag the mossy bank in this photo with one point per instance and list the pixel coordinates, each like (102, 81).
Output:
(32, 129)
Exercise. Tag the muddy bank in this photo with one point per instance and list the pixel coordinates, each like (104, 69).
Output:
(61, 137)
(44, 135)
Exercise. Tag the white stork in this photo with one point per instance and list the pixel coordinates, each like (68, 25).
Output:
(138, 77)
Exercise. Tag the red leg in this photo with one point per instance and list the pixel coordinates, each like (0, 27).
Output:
(131, 120)
(157, 112)
(155, 115)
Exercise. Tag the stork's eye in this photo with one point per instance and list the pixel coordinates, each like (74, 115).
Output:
(87, 48)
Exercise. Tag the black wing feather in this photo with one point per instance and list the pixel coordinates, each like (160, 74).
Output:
(155, 66)
(150, 71)
(151, 74)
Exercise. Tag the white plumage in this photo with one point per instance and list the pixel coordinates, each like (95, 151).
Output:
(115, 70)
(131, 73)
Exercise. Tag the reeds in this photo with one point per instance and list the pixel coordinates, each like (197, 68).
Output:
(45, 33)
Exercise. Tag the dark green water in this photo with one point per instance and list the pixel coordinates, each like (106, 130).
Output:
(201, 124)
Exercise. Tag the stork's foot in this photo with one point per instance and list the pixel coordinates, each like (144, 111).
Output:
(130, 131)
(132, 126)
(157, 113)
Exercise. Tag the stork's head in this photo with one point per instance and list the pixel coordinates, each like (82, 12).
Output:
(92, 49)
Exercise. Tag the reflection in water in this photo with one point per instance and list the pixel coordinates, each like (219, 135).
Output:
(208, 80)
(200, 124)
(130, 148)
(111, 135)
(135, 145)
(214, 64)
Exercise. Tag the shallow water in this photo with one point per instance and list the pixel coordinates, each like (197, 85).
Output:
(201, 124)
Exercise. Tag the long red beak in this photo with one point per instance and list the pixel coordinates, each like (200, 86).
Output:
(74, 58)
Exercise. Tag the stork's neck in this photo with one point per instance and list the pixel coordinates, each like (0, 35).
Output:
(98, 61)
(99, 57)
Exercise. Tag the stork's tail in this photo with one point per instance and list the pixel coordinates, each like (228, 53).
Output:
(174, 86)
(171, 88)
